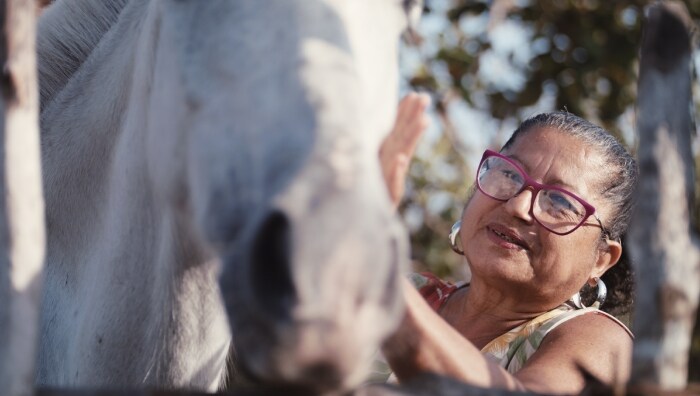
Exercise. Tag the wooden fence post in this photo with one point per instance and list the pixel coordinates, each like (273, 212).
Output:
(661, 241)
(22, 238)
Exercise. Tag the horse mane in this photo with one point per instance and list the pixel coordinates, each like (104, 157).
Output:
(67, 33)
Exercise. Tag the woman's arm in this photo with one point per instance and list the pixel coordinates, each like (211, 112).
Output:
(425, 342)
(589, 344)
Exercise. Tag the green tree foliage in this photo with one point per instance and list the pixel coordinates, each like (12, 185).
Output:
(504, 60)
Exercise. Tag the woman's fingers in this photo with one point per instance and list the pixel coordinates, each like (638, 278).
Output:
(411, 121)
(416, 124)
(405, 109)
(398, 147)
(397, 180)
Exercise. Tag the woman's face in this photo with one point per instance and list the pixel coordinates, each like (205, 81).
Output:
(505, 246)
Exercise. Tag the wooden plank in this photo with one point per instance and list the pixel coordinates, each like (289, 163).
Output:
(661, 242)
(22, 237)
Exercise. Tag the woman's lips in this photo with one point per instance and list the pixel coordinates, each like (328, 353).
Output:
(506, 238)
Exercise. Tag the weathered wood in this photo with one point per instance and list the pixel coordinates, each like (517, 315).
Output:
(142, 392)
(433, 385)
(21, 202)
(424, 385)
(661, 242)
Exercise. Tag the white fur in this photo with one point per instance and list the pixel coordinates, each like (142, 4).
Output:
(176, 137)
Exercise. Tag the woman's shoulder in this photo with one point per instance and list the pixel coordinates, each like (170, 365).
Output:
(592, 331)
(434, 290)
(591, 342)
(592, 321)
(589, 317)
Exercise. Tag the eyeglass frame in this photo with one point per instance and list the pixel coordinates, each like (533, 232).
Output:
(536, 188)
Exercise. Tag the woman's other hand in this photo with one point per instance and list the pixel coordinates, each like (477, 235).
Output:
(397, 148)
(425, 342)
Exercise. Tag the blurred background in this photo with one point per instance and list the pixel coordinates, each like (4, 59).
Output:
(488, 65)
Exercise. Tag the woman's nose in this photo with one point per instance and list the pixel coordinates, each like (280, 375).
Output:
(520, 205)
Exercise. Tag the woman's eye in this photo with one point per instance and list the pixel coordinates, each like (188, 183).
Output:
(512, 175)
(561, 202)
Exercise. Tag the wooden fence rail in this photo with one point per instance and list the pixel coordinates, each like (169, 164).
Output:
(21, 202)
(662, 242)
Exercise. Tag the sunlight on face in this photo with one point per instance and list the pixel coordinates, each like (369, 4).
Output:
(506, 246)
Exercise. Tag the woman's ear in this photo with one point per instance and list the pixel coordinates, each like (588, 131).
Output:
(608, 255)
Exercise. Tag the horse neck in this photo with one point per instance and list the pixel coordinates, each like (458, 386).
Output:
(66, 35)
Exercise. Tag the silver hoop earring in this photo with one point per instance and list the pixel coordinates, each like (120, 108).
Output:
(454, 234)
(599, 300)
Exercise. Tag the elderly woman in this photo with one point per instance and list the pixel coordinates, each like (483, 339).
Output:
(544, 221)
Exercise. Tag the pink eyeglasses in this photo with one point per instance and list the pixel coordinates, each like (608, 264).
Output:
(556, 209)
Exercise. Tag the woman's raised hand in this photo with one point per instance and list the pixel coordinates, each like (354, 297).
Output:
(397, 148)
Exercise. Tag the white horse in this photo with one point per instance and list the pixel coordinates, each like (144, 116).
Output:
(189, 141)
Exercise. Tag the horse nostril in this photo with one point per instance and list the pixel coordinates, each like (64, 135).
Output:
(322, 375)
(271, 278)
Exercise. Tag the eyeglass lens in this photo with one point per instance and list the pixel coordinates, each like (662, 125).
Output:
(556, 210)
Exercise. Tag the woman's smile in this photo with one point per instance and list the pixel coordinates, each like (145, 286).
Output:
(505, 237)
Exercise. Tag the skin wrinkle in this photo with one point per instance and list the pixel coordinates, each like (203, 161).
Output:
(618, 175)
(542, 264)
(597, 191)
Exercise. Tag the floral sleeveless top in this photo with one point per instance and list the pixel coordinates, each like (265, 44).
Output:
(510, 350)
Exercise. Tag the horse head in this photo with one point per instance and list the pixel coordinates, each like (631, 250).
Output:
(187, 138)
(286, 105)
